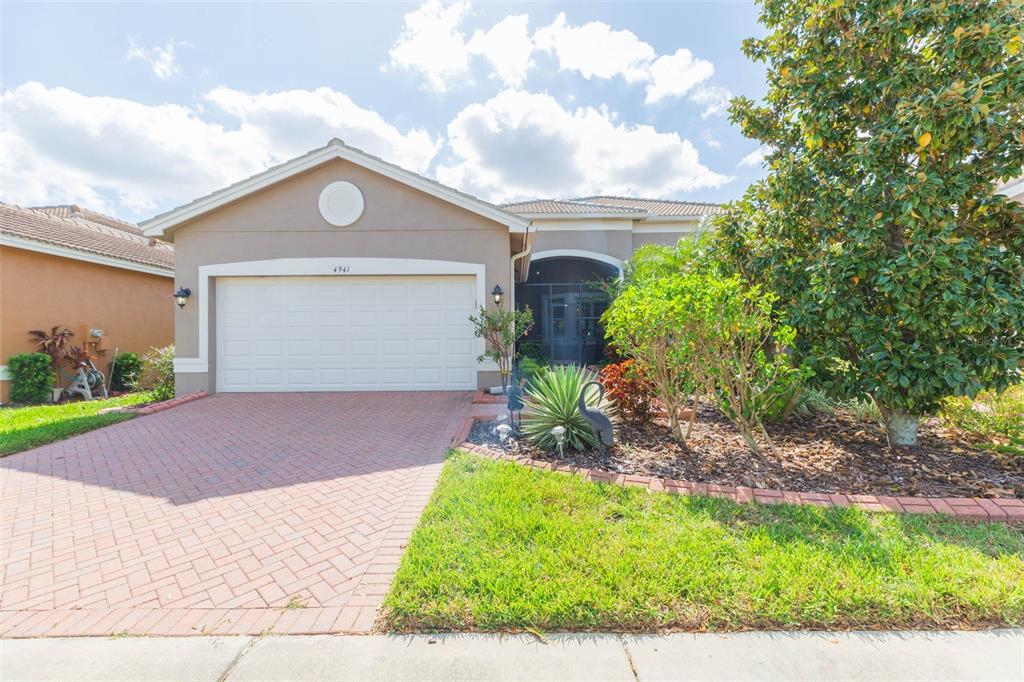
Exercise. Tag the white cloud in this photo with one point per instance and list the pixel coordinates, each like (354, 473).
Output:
(714, 98)
(432, 43)
(161, 59)
(521, 144)
(596, 50)
(674, 75)
(292, 122)
(507, 46)
(754, 158)
(133, 159)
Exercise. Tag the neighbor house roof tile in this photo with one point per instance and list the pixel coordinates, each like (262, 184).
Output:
(554, 206)
(85, 231)
(657, 207)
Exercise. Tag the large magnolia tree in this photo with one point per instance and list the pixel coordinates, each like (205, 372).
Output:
(888, 127)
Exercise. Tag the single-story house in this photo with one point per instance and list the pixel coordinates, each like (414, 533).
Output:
(338, 271)
(98, 276)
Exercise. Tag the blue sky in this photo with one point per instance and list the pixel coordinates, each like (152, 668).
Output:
(133, 109)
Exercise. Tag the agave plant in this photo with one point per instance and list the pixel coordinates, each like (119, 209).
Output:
(552, 401)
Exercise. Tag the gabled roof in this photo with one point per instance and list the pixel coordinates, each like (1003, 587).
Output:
(553, 207)
(335, 149)
(98, 238)
(657, 207)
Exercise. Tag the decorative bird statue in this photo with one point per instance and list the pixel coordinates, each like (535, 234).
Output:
(599, 422)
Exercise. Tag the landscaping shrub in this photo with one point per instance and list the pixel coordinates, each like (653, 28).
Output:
(647, 323)
(157, 375)
(552, 401)
(31, 377)
(125, 371)
(994, 417)
(533, 350)
(528, 368)
(632, 392)
(737, 349)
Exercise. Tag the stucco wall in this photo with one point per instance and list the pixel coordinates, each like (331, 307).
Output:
(615, 243)
(283, 221)
(37, 291)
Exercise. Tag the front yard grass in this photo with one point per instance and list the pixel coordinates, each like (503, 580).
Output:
(501, 546)
(23, 428)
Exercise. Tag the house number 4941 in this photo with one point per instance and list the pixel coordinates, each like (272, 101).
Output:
(340, 269)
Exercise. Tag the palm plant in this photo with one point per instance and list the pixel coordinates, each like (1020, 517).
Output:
(552, 401)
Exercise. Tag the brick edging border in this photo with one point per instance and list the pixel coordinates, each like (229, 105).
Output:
(1007, 510)
(168, 404)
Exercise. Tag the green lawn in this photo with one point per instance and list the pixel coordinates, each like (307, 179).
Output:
(501, 546)
(23, 428)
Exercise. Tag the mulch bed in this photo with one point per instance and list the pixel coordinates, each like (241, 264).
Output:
(815, 453)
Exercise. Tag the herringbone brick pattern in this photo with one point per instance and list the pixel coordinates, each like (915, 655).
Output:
(232, 514)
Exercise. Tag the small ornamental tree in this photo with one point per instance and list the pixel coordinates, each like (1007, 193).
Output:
(501, 329)
(889, 124)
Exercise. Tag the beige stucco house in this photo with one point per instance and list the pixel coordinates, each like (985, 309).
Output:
(338, 271)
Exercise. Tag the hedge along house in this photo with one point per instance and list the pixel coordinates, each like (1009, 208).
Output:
(337, 271)
(75, 268)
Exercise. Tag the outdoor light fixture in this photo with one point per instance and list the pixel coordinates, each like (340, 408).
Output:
(181, 296)
(559, 433)
(497, 293)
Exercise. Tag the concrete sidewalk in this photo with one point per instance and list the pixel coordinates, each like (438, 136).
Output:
(990, 655)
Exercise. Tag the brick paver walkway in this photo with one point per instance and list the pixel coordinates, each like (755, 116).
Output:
(237, 513)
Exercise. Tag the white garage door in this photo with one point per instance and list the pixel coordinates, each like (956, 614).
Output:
(350, 333)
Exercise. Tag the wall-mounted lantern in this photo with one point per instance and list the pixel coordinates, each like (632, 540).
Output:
(181, 296)
(497, 293)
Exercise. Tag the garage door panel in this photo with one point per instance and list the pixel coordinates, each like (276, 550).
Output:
(350, 333)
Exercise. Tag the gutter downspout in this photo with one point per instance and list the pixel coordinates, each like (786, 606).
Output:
(527, 247)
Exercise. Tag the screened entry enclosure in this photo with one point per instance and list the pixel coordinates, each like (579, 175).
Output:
(567, 301)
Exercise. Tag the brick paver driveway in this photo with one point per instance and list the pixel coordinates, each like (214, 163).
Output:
(232, 514)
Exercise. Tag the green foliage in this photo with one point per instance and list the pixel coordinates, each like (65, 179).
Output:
(691, 328)
(501, 546)
(529, 368)
(126, 371)
(647, 322)
(552, 401)
(997, 418)
(632, 392)
(501, 328)
(888, 126)
(533, 350)
(737, 350)
(874, 247)
(157, 375)
(31, 377)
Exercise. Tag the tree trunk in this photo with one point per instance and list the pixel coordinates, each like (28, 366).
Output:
(901, 427)
(673, 419)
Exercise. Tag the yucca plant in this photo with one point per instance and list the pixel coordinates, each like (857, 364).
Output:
(552, 401)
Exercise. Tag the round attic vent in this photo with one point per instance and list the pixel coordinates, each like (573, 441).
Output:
(341, 203)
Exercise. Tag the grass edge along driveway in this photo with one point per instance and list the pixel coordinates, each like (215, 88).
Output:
(30, 426)
(505, 547)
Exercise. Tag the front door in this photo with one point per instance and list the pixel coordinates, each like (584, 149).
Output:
(570, 326)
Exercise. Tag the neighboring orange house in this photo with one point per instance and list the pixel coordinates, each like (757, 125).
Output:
(71, 267)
